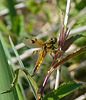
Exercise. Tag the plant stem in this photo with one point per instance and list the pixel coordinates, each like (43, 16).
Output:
(45, 81)
(57, 77)
(65, 23)
(67, 12)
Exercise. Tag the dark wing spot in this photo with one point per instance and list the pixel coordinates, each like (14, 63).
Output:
(33, 41)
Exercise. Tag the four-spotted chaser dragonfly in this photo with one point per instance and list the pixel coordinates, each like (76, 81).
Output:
(48, 46)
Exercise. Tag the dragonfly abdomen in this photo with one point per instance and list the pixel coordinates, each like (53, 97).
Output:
(40, 59)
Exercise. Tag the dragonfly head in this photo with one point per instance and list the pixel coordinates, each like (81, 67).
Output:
(53, 40)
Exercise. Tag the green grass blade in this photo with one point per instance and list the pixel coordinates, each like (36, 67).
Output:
(11, 8)
(13, 83)
(13, 66)
(4, 28)
(22, 27)
(18, 58)
(5, 77)
(14, 19)
(63, 90)
(29, 78)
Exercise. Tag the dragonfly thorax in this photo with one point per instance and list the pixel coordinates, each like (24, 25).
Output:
(50, 43)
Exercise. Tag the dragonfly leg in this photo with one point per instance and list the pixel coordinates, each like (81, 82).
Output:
(37, 51)
(52, 55)
(51, 52)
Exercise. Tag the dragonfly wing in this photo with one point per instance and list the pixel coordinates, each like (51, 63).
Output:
(51, 51)
(58, 53)
(32, 42)
(40, 59)
(37, 51)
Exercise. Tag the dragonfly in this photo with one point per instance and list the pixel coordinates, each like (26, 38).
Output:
(48, 46)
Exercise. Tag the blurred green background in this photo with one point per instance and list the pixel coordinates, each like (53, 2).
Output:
(43, 19)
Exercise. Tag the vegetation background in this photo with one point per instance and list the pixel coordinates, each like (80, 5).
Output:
(43, 19)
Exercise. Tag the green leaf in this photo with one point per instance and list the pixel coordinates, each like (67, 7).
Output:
(69, 41)
(31, 82)
(47, 13)
(21, 90)
(22, 27)
(63, 90)
(13, 15)
(70, 56)
(4, 28)
(15, 24)
(13, 83)
(30, 26)
(5, 77)
(33, 6)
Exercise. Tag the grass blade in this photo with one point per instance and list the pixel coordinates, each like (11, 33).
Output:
(13, 16)
(13, 67)
(29, 78)
(5, 77)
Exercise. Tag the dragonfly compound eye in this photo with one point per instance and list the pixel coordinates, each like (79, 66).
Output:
(54, 39)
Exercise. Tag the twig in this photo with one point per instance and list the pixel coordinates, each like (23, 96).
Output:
(18, 6)
(81, 65)
(53, 29)
(78, 30)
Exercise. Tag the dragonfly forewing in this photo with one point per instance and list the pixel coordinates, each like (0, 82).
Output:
(32, 42)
